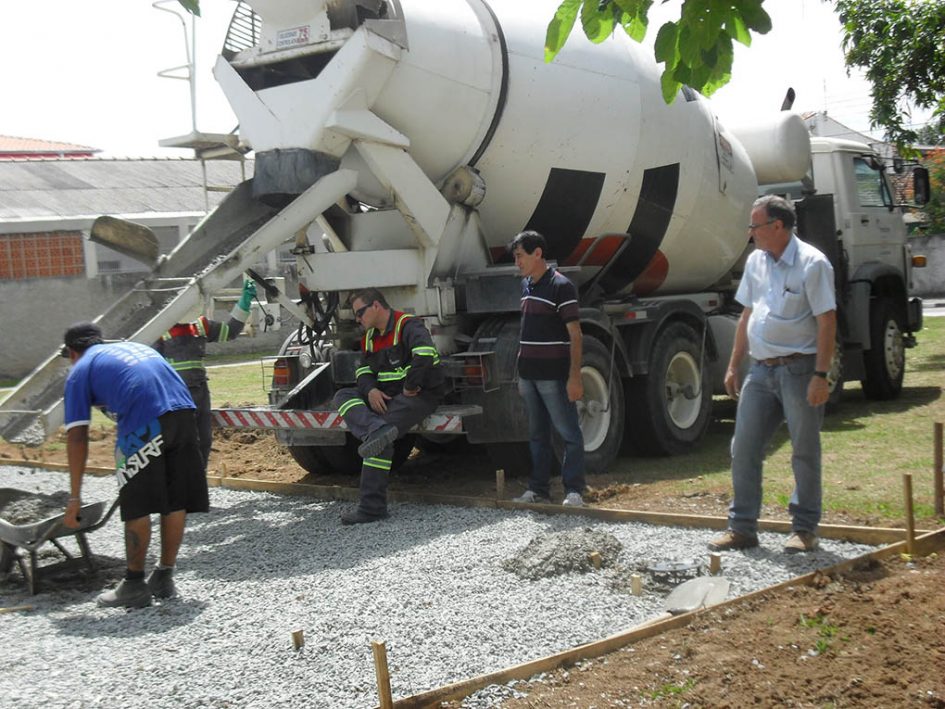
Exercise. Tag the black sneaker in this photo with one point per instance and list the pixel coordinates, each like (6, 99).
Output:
(161, 583)
(127, 594)
(375, 443)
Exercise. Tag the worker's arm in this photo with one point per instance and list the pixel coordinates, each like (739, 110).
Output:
(739, 350)
(422, 355)
(77, 453)
(818, 391)
(575, 383)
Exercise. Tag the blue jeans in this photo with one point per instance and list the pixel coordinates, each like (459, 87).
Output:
(769, 396)
(547, 403)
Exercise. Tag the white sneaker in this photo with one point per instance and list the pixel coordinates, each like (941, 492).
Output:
(573, 499)
(531, 498)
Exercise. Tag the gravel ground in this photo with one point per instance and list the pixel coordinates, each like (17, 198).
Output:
(432, 582)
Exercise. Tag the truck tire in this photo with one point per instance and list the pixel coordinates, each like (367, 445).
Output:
(669, 408)
(885, 361)
(310, 459)
(602, 409)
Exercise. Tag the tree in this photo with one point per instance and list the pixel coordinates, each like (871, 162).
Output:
(935, 210)
(901, 46)
(696, 50)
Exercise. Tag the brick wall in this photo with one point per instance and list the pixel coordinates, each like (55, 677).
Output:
(41, 255)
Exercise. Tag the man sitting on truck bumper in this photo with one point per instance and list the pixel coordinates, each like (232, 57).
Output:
(399, 383)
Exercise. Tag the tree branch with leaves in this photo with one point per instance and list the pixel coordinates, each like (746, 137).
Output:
(696, 50)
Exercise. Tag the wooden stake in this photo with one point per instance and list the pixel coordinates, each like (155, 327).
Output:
(223, 472)
(910, 516)
(383, 675)
(298, 639)
(937, 473)
(636, 585)
(595, 558)
(715, 563)
(500, 484)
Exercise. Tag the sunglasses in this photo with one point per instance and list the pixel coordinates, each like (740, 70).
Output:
(359, 313)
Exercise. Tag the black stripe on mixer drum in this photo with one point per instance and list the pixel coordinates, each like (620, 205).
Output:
(647, 228)
(565, 209)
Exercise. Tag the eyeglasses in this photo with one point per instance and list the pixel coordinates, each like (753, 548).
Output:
(359, 313)
(753, 227)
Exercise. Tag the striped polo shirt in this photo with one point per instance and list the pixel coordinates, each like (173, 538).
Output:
(547, 306)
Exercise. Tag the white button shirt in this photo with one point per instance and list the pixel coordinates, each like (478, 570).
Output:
(785, 295)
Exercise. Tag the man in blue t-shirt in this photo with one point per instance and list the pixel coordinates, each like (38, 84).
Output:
(159, 468)
(549, 369)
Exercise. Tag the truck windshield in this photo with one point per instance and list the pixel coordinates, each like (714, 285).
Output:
(871, 188)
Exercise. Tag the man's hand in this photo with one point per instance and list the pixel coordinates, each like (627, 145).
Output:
(732, 385)
(249, 292)
(818, 391)
(71, 519)
(378, 401)
(575, 388)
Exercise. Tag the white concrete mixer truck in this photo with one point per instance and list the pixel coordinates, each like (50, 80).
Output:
(403, 143)
(432, 131)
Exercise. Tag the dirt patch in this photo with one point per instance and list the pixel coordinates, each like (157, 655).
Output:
(870, 638)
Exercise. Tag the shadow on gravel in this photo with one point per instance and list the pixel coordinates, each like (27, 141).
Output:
(115, 622)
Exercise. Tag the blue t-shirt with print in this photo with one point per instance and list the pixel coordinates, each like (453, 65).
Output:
(131, 381)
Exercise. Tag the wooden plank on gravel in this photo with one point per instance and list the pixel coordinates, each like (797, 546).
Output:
(928, 543)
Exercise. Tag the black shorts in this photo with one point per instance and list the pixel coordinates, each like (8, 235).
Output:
(169, 473)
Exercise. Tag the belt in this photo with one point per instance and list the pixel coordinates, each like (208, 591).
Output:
(779, 361)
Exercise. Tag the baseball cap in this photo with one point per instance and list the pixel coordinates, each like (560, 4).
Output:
(80, 336)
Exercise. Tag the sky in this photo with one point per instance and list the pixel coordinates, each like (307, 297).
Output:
(86, 72)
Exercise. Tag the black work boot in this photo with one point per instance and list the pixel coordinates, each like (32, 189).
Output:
(161, 583)
(377, 441)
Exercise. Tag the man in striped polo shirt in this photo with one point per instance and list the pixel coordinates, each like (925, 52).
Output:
(549, 369)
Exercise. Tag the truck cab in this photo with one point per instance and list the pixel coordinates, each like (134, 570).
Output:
(851, 207)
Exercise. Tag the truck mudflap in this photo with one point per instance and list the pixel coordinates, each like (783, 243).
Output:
(446, 419)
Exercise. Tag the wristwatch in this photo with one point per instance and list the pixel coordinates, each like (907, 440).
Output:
(820, 373)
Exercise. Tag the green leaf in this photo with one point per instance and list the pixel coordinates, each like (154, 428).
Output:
(665, 48)
(560, 28)
(192, 6)
(670, 86)
(754, 16)
(598, 23)
(737, 29)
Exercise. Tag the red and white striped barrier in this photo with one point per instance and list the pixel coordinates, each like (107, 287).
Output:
(316, 420)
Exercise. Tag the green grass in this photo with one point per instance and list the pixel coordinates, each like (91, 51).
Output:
(867, 447)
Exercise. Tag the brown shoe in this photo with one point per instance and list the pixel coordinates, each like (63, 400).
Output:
(801, 541)
(730, 539)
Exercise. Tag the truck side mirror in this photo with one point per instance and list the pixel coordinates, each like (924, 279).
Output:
(920, 185)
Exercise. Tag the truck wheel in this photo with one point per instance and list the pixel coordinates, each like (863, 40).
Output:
(886, 359)
(345, 459)
(602, 408)
(670, 406)
(310, 459)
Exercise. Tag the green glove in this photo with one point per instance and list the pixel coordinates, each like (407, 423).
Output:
(249, 292)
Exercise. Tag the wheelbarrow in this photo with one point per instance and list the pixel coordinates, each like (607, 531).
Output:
(31, 537)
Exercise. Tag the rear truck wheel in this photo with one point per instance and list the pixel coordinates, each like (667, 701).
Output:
(669, 408)
(310, 459)
(885, 361)
(602, 409)
(345, 459)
